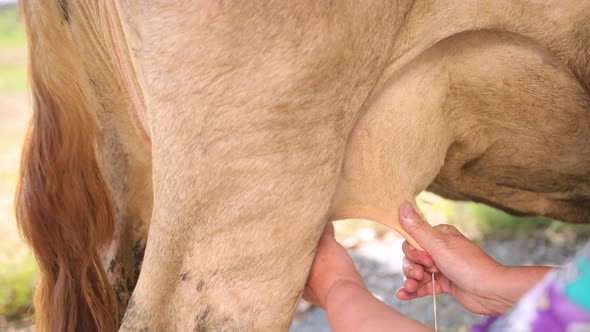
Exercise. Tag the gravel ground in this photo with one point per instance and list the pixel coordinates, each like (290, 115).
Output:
(379, 262)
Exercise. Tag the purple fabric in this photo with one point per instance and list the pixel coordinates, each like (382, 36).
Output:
(485, 325)
(563, 307)
(547, 307)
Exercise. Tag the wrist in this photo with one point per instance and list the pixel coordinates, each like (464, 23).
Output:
(510, 283)
(352, 307)
(341, 290)
(525, 278)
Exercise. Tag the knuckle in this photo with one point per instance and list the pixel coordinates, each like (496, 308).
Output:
(406, 267)
(441, 241)
(421, 226)
(445, 228)
(406, 247)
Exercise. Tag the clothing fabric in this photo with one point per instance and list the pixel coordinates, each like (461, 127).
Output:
(559, 303)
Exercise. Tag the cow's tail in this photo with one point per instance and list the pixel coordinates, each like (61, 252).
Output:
(63, 206)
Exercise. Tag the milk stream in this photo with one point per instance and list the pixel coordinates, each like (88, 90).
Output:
(434, 302)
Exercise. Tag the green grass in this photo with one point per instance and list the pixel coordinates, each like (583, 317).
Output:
(18, 276)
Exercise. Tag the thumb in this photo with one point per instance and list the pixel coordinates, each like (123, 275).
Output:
(329, 229)
(413, 223)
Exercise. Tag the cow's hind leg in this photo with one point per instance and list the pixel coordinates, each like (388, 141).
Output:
(250, 109)
(129, 177)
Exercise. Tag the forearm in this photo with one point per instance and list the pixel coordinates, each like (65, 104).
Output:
(351, 307)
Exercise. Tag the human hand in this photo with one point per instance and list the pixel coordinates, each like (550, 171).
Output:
(331, 266)
(467, 273)
(335, 284)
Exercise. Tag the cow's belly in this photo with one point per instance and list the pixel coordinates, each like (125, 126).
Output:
(525, 145)
(484, 116)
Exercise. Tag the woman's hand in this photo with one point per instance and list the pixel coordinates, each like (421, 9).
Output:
(331, 266)
(335, 284)
(467, 273)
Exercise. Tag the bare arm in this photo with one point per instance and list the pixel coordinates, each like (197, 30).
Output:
(351, 307)
(335, 284)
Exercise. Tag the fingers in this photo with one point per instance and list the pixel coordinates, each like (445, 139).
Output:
(404, 294)
(417, 227)
(417, 256)
(330, 228)
(411, 285)
(327, 238)
(412, 270)
(435, 240)
(413, 289)
(415, 276)
(447, 229)
(309, 296)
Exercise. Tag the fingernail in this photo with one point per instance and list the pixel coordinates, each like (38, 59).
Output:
(407, 211)
(398, 291)
(411, 273)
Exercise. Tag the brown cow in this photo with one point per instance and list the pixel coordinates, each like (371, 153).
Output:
(234, 130)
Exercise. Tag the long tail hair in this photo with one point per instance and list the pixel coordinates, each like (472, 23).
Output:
(63, 205)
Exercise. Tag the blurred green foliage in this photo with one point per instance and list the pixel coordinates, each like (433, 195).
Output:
(17, 283)
(476, 220)
(12, 51)
(11, 30)
(487, 221)
(18, 269)
(13, 78)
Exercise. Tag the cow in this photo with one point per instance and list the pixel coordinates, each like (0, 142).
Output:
(184, 156)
